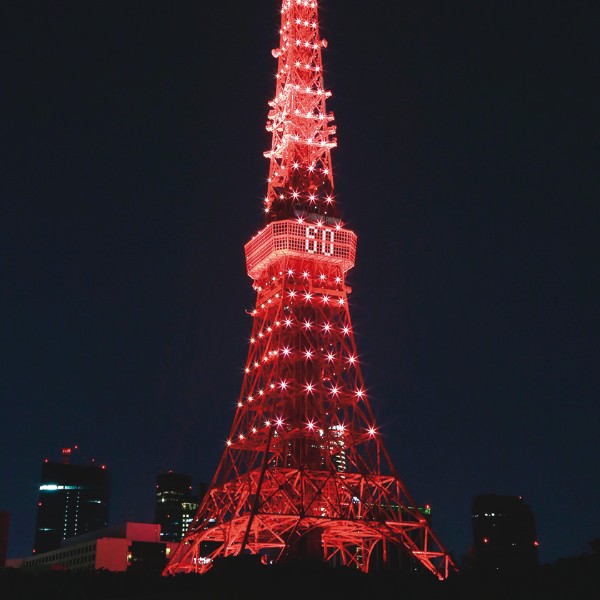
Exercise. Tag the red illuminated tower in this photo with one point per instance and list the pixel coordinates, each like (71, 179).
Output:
(305, 472)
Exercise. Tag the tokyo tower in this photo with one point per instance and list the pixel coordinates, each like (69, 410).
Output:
(305, 473)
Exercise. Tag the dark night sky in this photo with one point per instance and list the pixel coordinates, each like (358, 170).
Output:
(131, 175)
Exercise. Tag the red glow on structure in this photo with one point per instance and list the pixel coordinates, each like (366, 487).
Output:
(304, 473)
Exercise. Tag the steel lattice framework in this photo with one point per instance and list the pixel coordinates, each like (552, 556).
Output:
(305, 472)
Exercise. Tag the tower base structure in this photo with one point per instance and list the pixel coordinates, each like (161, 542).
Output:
(390, 536)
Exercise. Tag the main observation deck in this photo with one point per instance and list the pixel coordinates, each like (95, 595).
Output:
(303, 240)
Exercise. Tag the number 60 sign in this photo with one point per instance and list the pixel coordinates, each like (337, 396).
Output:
(319, 240)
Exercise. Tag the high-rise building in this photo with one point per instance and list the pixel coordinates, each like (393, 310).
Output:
(504, 533)
(73, 499)
(175, 505)
(305, 473)
(4, 525)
